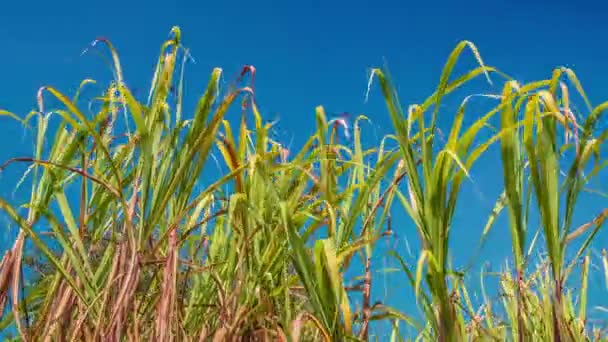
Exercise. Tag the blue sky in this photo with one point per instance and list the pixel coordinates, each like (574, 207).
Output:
(307, 54)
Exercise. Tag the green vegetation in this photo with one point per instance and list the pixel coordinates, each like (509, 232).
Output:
(151, 250)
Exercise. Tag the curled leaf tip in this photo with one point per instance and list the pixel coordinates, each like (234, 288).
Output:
(93, 44)
(176, 33)
(40, 99)
(341, 121)
(248, 68)
(99, 40)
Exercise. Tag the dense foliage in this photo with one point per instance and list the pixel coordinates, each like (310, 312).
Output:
(158, 245)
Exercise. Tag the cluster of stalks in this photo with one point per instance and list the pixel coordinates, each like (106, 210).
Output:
(190, 228)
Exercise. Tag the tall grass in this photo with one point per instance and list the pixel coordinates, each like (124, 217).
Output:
(160, 245)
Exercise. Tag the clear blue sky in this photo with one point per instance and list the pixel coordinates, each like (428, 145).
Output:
(307, 54)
